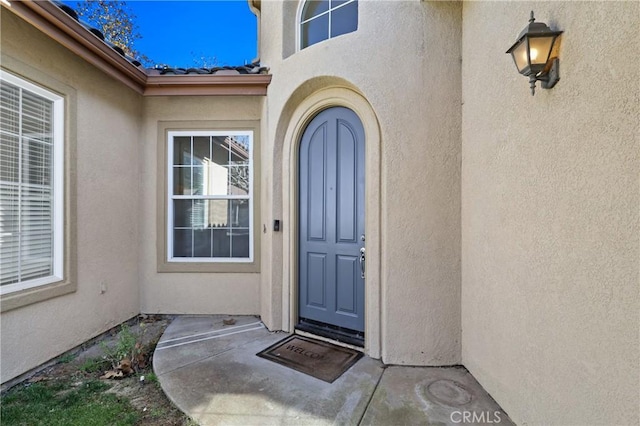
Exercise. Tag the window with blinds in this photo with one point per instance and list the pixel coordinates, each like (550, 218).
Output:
(31, 185)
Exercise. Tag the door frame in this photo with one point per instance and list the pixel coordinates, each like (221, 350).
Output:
(325, 133)
(301, 117)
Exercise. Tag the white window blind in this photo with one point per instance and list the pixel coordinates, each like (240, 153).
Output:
(30, 185)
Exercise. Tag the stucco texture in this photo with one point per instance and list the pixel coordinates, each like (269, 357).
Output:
(401, 60)
(506, 226)
(104, 132)
(189, 292)
(550, 215)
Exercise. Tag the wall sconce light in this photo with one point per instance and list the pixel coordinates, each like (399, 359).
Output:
(536, 54)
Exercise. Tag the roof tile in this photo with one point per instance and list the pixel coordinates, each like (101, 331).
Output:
(253, 68)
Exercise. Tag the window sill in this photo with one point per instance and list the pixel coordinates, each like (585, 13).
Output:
(209, 267)
(19, 299)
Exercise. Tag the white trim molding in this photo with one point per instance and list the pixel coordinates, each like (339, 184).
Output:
(171, 196)
(303, 114)
(57, 184)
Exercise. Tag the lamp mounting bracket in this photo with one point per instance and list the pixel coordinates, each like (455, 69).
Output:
(553, 75)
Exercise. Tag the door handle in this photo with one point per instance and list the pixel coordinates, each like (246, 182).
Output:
(362, 261)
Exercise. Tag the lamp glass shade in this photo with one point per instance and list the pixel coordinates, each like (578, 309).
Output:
(520, 56)
(539, 50)
(532, 52)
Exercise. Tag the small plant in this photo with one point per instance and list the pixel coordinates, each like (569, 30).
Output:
(66, 358)
(93, 365)
(151, 378)
(123, 347)
(157, 413)
(127, 355)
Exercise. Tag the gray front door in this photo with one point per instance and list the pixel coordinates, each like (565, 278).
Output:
(331, 218)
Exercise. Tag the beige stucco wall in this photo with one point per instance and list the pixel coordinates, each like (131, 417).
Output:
(550, 205)
(403, 60)
(508, 224)
(105, 132)
(191, 292)
(116, 181)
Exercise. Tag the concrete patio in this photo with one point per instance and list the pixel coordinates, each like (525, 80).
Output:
(210, 371)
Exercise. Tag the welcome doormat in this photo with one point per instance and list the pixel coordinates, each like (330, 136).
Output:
(319, 359)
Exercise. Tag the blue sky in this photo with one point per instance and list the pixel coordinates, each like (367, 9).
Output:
(192, 33)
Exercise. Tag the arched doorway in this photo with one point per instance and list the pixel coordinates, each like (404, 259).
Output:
(331, 218)
(281, 285)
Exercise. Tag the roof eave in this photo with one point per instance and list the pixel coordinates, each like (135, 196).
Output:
(54, 22)
(207, 85)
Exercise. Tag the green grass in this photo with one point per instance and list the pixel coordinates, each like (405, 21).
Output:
(93, 365)
(63, 404)
(151, 378)
(66, 358)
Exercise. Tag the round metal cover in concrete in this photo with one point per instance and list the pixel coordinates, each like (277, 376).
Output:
(449, 392)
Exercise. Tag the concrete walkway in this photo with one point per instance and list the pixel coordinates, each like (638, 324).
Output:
(211, 372)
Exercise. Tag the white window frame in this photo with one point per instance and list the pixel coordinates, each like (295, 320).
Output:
(58, 211)
(299, 22)
(171, 197)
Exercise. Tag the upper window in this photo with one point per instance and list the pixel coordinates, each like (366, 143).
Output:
(31, 185)
(210, 214)
(324, 19)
